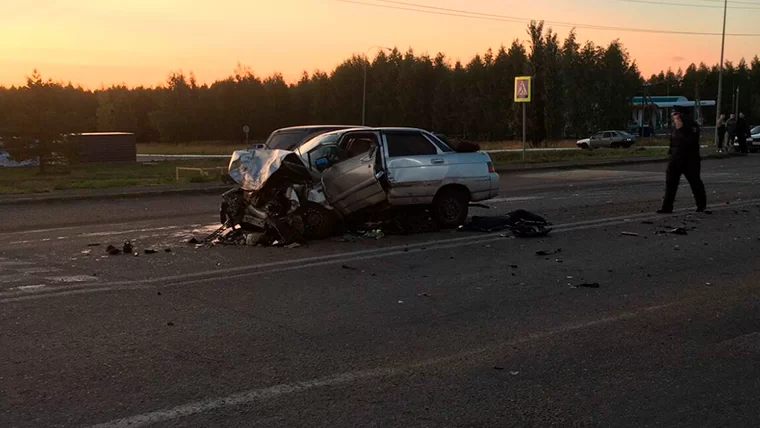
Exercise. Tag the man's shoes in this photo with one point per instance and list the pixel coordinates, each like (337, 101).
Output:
(701, 209)
(664, 211)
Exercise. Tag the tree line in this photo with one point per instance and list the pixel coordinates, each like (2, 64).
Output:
(578, 88)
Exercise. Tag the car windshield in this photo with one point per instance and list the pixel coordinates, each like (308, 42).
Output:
(310, 145)
(286, 140)
(755, 130)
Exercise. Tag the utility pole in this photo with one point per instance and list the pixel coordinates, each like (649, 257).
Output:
(737, 100)
(720, 74)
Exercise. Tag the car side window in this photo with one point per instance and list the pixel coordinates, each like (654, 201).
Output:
(597, 136)
(353, 145)
(402, 144)
(607, 135)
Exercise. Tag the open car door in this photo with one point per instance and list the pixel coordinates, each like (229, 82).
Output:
(353, 184)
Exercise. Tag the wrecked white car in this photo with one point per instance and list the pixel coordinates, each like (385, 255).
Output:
(355, 176)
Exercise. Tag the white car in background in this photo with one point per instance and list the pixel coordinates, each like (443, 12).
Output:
(753, 141)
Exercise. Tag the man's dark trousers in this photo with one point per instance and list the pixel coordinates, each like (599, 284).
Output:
(690, 167)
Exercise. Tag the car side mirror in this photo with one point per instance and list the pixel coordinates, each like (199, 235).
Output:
(322, 163)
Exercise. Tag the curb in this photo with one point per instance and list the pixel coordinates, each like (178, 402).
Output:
(218, 189)
(611, 162)
(28, 199)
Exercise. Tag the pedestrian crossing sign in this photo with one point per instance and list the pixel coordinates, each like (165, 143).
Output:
(522, 89)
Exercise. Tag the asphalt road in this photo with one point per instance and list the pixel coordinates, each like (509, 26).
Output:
(450, 329)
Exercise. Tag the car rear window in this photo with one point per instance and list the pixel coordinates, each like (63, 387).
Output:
(408, 144)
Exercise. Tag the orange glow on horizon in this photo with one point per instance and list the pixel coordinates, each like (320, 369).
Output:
(103, 42)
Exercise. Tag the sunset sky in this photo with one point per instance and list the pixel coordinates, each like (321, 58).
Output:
(138, 42)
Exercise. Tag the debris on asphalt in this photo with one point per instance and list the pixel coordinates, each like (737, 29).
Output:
(548, 252)
(113, 251)
(401, 301)
(347, 267)
(159, 293)
(588, 285)
(558, 260)
(93, 245)
(473, 205)
(86, 252)
(513, 266)
(423, 295)
(523, 224)
(647, 222)
(498, 368)
(150, 251)
(193, 241)
(254, 239)
(708, 284)
(167, 250)
(629, 234)
(514, 373)
(678, 231)
(170, 324)
(293, 245)
(676, 248)
(127, 249)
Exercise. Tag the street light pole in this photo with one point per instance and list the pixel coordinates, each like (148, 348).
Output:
(364, 91)
(720, 73)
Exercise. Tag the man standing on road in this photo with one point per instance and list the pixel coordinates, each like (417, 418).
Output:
(684, 160)
(731, 130)
(742, 132)
(721, 131)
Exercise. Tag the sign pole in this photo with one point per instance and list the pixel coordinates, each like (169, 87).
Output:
(524, 131)
(523, 96)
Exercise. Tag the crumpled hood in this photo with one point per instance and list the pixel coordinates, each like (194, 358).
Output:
(252, 168)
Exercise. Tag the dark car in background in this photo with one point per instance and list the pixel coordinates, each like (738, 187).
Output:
(608, 139)
(294, 136)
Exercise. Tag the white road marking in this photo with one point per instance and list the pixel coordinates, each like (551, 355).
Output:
(511, 199)
(247, 397)
(73, 278)
(29, 287)
(202, 277)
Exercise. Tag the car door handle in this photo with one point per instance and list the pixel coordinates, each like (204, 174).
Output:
(436, 161)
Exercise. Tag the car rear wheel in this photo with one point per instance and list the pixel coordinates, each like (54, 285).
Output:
(450, 207)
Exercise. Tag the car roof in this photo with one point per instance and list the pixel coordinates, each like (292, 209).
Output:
(317, 127)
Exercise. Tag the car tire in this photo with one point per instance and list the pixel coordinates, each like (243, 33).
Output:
(584, 146)
(450, 207)
(319, 222)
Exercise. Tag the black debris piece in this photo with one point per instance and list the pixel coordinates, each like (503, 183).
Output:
(113, 250)
(347, 267)
(498, 368)
(159, 293)
(480, 206)
(708, 212)
(548, 252)
(521, 223)
(647, 222)
(678, 231)
(629, 234)
(170, 324)
(150, 251)
(93, 245)
(193, 241)
(423, 295)
(167, 250)
(588, 285)
(513, 266)
(127, 247)
(406, 250)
